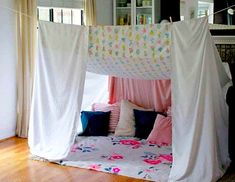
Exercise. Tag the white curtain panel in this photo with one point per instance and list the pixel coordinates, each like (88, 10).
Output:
(200, 123)
(58, 89)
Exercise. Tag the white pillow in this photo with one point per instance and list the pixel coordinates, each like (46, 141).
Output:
(126, 123)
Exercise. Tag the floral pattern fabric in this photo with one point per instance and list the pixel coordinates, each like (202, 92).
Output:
(126, 156)
(141, 51)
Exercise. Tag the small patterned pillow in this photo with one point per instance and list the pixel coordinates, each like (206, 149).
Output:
(114, 116)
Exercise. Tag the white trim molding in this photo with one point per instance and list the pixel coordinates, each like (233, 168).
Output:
(224, 39)
(61, 3)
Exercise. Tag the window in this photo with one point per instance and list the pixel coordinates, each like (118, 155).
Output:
(206, 8)
(44, 14)
(57, 12)
(61, 15)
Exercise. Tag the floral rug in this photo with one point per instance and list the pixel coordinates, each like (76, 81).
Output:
(125, 156)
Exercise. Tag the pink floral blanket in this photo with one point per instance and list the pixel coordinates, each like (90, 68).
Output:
(126, 156)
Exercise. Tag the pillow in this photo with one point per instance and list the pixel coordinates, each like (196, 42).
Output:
(144, 121)
(168, 112)
(161, 133)
(126, 123)
(95, 123)
(114, 116)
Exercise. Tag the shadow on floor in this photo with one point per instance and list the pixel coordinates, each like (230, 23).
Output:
(229, 176)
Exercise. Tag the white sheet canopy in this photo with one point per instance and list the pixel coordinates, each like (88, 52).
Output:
(183, 51)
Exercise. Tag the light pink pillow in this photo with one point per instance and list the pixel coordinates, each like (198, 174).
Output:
(114, 116)
(168, 112)
(161, 133)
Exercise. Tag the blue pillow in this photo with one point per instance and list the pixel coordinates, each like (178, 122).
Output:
(144, 121)
(95, 123)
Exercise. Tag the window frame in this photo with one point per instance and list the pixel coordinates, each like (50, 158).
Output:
(52, 15)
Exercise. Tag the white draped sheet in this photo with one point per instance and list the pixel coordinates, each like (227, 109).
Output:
(58, 89)
(200, 115)
(199, 109)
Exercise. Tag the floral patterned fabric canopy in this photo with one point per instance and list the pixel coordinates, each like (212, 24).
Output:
(130, 51)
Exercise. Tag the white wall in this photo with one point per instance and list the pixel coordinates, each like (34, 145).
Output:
(7, 70)
(104, 12)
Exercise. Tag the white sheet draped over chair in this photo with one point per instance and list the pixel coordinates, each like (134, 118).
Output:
(183, 51)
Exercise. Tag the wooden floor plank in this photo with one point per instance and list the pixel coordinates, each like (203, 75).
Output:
(15, 166)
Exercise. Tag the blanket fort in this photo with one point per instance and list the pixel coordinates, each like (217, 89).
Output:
(183, 51)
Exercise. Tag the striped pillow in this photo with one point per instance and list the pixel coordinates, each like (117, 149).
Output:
(114, 116)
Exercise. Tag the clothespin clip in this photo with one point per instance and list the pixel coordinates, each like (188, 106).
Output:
(206, 12)
(170, 19)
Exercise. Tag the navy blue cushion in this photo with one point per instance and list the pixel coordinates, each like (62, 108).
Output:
(144, 121)
(95, 123)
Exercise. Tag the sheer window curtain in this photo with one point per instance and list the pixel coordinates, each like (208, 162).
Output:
(90, 12)
(26, 37)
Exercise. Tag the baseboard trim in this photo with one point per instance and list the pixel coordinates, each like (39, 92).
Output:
(8, 138)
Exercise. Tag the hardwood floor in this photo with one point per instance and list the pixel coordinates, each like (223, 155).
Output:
(15, 166)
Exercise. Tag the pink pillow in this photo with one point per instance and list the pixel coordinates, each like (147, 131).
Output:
(161, 133)
(168, 112)
(114, 116)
